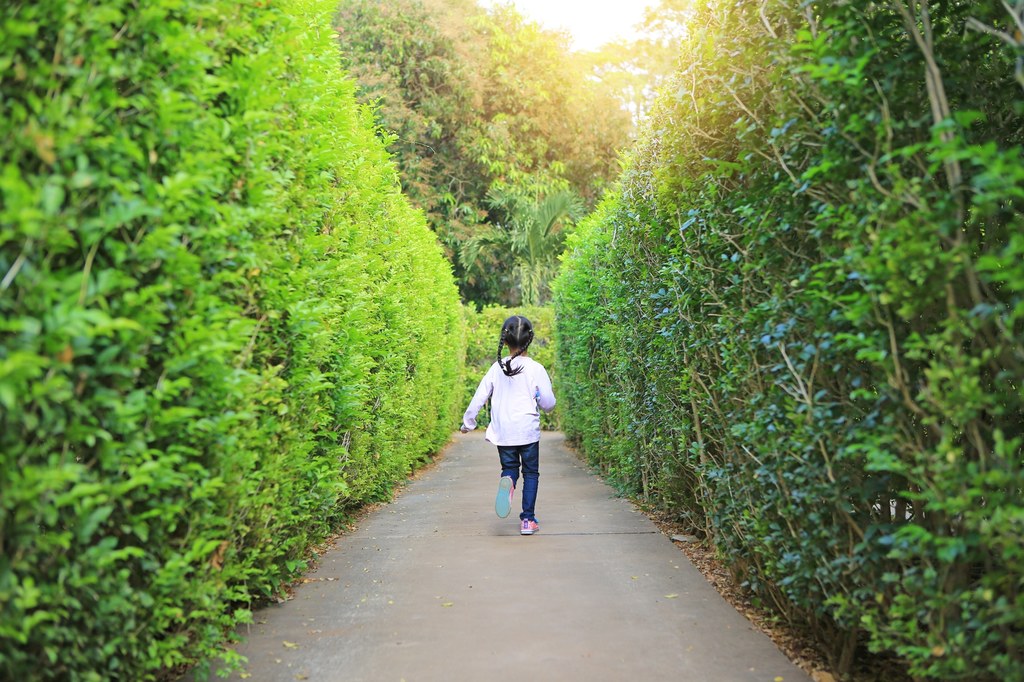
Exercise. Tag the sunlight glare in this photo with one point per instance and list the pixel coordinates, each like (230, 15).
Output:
(591, 23)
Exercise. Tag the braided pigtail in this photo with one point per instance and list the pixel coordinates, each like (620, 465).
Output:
(501, 344)
(507, 368)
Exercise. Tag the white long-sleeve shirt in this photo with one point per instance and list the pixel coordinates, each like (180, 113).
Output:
(515, 402)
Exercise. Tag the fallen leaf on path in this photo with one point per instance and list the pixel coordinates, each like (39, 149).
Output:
(671, 596)
(245, 675)
(290, 645)
(448, 603)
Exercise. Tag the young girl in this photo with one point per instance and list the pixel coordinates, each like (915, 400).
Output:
(517, 387)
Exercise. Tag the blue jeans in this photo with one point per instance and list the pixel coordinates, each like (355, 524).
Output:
(512, 456)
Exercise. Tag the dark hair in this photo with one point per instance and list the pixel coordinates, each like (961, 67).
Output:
(517, 332)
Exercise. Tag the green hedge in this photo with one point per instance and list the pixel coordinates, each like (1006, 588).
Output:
(221, 325)
(799, 324)
(482, 331)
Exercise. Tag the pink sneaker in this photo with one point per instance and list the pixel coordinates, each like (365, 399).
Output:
(528, 527)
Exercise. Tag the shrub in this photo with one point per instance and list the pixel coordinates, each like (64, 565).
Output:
(799, 323)
(217, 324)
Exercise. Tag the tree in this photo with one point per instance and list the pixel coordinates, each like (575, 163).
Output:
(532, 232)
(546, 116)
(410, 69)
(472, 101)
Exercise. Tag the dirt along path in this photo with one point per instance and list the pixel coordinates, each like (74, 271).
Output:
(436, 587)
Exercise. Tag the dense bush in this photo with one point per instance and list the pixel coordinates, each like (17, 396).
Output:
(483, 329)
(799, 323)
(218, 324)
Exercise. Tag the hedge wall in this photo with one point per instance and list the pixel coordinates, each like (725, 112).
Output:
(219, 324)
(799, 323)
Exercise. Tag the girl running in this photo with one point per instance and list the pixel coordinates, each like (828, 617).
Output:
(518, 388)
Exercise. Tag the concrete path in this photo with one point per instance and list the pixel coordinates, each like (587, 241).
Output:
(435, 587)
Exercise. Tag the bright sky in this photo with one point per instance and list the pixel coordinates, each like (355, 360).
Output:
(592, 23)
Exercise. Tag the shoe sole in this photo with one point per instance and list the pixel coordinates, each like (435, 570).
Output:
(527, 532)
(503, 501)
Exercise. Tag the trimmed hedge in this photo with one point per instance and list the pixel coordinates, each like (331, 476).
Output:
(799, 324)
(219, 324)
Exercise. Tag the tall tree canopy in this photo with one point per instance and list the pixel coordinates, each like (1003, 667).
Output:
(477, 101)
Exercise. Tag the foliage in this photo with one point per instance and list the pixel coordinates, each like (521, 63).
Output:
(410, 65)
(476, 102)
(799, 324)
(532, 232)
(217, 318)
(483, 329)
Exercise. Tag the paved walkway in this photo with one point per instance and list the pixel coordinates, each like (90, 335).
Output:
(435, 587)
